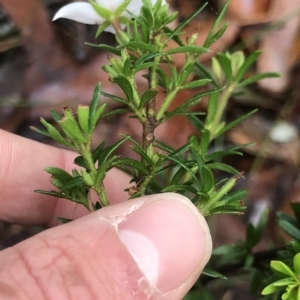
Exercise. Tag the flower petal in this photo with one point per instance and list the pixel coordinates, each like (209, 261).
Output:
(81, 12)
(135, 7)
(110, 4)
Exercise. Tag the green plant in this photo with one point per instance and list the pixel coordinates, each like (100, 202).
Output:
(142, 35)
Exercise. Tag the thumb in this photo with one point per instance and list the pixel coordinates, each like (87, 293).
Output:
(153, 247)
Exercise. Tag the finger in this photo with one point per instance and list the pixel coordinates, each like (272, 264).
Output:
(22, 171)
(154, 247)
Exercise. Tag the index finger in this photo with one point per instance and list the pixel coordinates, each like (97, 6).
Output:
(22, 171)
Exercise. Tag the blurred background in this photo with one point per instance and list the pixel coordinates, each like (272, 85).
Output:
(47, 65)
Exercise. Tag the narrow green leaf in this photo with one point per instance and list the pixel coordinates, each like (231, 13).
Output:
(236, 122)
(136, 45)
(60, 174)
(212, 273)
(282, 268)
(195, 84)
(83, 118)
(146, 57)
(43, 132)
(102, 11)
(132, 163)
(183, 165)
(209, 40)
(179, 188)
(226, 65)
(55, 115)
(258, 77)
(117, 111)
(63, 220)
(203, 72)
(125, 85)
(102, 27)
(208, 179)
(290, 229)
(147, 96)
(49, 193)
(222, 167)
(74, 182)
(113, 97)
(204, 141)
(187, 49)
(250, 60)
(107, 48)
(177, 30)
(70, 127)
(97, 116)
(94, 104)
(54, 133)
(189, 103)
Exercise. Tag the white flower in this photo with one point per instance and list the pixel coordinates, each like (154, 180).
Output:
(101, 12)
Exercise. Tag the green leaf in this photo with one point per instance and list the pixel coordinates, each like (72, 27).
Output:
(136, 45)
(117, 111)
(290, 229)
(250, 60)
(147, 96)
(60, 174)
(107, 48)
(226, 65)
(203, 72)
(125, 85)
(184, 166)
(187, 49)
(108, 151)
(270, 289)
(70, 127)
(195, 121)
(63, 220)
(54, 133)
(102, 11)
(122, 7)
(176, 31)
(146, 57)
(74, 182)
(189, 103)
(94, 104)
(204, 141)
(257, 77)
(222, 167)
(296, 264)
(211, 273)
(113, 97)
(234, 196)
(195, 84)
(235, 122)
(83, 118)
(185, 72)
(208, 179)
(281, 268)
(136, 165)
(209, 40)
(179, 188)
(49, 193)
(97, 116)
(102, 27)
(55, 115)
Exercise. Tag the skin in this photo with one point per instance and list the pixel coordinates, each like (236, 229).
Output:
(154, 247)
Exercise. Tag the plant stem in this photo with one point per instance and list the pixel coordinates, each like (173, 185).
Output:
(225, 95)
(168, 100)
(100, 190)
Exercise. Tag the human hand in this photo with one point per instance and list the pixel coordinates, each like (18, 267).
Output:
(153, 247)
